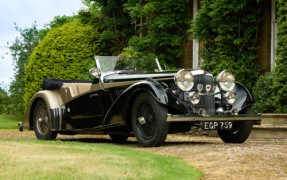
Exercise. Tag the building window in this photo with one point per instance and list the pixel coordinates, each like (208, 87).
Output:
(195, 45)
(274, 23)
(140, 26)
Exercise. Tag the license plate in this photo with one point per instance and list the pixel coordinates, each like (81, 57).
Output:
(221, 125)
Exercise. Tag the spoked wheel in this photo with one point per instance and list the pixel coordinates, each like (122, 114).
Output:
(42, 122)
(149, 121)
(241, 132)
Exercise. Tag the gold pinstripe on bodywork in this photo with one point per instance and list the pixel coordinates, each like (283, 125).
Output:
(70, 91)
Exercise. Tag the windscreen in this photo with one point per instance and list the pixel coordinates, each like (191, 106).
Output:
(115, 63)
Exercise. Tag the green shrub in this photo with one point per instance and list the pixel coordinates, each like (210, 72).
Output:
(280, 70)
(21, 49)
(263, 92)
(65, 52)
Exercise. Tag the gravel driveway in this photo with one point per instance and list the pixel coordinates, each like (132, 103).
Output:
(251, 160)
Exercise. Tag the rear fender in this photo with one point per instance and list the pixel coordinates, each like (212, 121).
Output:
(54, 103)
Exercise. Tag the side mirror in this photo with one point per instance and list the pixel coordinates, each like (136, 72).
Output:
(94, 72)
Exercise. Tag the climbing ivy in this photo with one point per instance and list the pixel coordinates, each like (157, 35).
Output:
(280, 71)
(229, 31)
(263, 93)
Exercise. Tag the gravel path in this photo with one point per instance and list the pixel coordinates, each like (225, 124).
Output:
(250, 160)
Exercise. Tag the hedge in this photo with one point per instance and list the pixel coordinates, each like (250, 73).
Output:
(66, 52)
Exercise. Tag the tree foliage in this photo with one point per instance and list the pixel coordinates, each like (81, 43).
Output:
(65, 52)
(166, 26)
(280, 70)
(21, 49)
(118, 24)
(3, 100)
(229, 30)
(56, 22)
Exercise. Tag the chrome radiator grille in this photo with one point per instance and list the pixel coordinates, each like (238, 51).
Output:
(206, 102)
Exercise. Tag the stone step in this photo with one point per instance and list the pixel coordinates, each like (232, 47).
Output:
(274, 118)
(273, 128)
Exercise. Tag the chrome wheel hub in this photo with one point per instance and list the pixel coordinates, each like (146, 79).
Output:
(146, 121)
(42, 120)
(141, 120)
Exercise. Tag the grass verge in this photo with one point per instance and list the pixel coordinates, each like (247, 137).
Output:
(9, 121)
(33, 159)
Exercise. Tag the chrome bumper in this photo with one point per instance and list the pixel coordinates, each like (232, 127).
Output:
(197, 118)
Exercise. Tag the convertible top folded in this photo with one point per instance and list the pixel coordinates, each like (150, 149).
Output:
(57, 84)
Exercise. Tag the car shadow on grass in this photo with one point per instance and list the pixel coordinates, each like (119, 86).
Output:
(132, 142)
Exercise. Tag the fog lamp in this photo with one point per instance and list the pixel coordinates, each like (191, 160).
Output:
(234, 111)
(194, 97)
(220, 111)
(230, 97)
(202, 111)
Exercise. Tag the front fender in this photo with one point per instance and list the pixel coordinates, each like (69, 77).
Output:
(52, 99)
(244, 97)
(122, 105)
(153, 87)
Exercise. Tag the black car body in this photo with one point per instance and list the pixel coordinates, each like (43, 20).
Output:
(135, 97)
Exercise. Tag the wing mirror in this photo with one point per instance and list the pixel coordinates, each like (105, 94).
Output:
(94, 72)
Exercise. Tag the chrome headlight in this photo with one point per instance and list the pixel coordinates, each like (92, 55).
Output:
(226, 80)
(184, 80)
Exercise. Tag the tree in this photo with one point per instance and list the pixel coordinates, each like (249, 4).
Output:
(4, 101)
(21, 49)
(118, 24)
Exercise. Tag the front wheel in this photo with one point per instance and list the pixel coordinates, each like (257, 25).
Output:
(241, 132)
(41, 121)
(149, 121)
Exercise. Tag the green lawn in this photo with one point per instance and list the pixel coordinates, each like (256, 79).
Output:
(34, 159)
(9, 121)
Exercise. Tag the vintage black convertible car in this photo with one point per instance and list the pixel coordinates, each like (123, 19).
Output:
(136, 97)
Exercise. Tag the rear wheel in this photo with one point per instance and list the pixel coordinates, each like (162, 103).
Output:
(41, 121)
(149, 121)
(241, 132)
